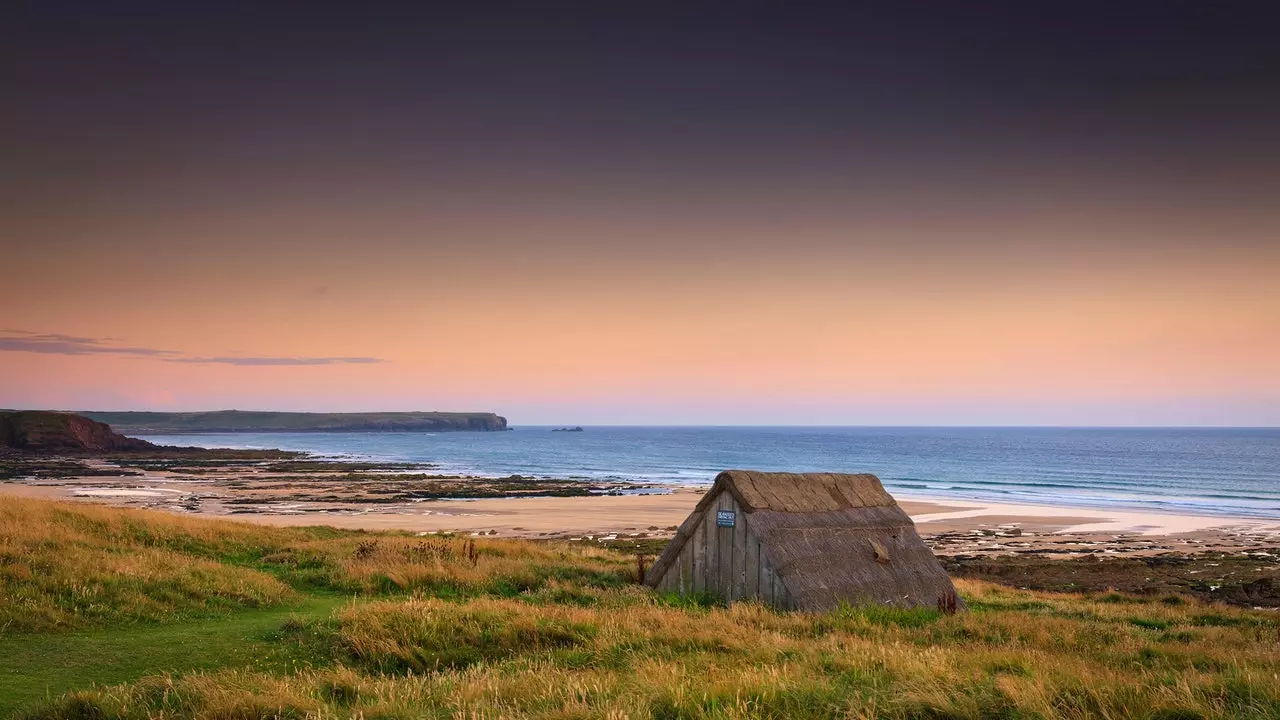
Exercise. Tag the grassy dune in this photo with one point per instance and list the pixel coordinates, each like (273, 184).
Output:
(67, 566)
(510, 629)
(70, 567)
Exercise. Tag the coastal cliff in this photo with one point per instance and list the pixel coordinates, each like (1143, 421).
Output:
(224, 421)
(42, 431)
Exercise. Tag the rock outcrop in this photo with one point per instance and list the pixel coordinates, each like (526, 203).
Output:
(40, 431)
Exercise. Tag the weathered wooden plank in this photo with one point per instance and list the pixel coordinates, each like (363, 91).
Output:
(741, 539)
(699, 542)
(766, 577)
(724, 536)
(740, 536)
(712, 540)
(686, 569)
(751, 569)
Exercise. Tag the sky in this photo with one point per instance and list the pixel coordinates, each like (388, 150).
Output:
(653, 213)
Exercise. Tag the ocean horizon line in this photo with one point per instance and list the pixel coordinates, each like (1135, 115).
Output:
(843, 426)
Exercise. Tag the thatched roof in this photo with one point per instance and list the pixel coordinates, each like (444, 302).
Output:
(830, 538)
(801, 492)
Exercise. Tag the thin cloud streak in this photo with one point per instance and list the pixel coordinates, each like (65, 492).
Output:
(59, 344)
(279, 360)
(73, 345)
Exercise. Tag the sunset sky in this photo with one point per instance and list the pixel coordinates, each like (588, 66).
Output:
(944, 213)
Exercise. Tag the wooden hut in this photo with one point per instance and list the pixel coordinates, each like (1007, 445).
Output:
(802, 541)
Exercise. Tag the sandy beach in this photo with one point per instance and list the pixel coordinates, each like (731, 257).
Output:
(949, 525)
(541, 516)
(1022, 545)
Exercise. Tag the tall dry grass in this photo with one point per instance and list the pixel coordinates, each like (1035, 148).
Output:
(629, 654)
(513, 629)
(66, 565)
(462, 567)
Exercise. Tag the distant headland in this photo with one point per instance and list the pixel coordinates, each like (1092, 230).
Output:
(40, 431)
(224, 421)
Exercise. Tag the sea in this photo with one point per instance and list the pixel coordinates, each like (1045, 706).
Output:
(1207, 471)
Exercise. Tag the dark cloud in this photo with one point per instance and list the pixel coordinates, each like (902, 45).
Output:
(59, 344)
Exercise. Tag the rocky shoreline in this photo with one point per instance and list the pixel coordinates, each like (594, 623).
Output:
(241, 482)
(1235, 565)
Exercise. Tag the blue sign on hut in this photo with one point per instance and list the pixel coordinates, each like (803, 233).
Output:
(808, 541)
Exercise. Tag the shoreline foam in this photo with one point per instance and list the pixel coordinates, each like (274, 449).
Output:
(1230, 473)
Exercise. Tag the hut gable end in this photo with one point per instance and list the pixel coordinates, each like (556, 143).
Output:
(808, 541)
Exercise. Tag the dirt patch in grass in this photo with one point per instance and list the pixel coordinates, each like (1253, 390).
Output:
(1247, 578)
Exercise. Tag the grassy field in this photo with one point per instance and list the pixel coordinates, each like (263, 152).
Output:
(128, 614)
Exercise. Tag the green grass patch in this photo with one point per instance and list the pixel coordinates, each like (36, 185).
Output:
(884, 615)
(1150, 623)
(44, 665)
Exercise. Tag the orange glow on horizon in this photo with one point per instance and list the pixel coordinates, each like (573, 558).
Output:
(777, 331)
